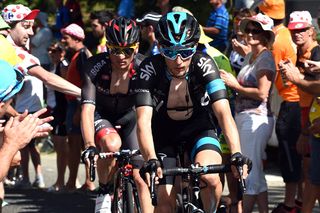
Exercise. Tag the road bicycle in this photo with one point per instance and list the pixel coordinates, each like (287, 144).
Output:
(189, 200)
(125, 194)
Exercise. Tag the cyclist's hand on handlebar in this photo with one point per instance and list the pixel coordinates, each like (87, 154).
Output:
(90, 153)
(149, 167)
(240, 161)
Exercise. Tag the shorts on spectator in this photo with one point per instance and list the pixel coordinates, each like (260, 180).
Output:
(72, 107)
(288, 128)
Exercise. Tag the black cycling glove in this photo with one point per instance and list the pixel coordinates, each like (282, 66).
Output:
(150, 166)
(89, 153)
(237, 159)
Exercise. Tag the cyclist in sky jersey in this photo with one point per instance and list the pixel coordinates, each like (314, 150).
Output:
(176, 94)
(108, 118)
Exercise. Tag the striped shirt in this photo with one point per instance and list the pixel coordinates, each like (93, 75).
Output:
(219, 18)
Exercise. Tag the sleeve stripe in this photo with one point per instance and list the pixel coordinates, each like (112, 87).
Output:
(215, 86)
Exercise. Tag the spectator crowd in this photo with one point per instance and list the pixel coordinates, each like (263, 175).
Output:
(268, 60)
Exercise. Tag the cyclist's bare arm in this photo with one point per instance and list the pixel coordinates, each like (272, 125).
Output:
(226, 122)
(144, 132)
(54, 81)
(87, 124)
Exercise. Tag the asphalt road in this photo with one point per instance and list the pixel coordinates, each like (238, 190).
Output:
(35, 200)
(39, 200)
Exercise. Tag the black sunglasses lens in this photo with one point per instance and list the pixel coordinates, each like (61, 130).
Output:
(252, 31)
(118, 51)
(186, 53)
(128, 51)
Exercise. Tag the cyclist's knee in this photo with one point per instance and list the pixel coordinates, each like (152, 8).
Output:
(110, 143)
(211, 180)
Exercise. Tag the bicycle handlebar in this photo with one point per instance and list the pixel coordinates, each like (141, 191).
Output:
(199, 170)
(122, 153)
(125, 153)
(153, 193)
(218, 168)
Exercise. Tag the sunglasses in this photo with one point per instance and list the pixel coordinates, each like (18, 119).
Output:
(253, 31)
(300, 30)
(116, 50)
(172, 53)
(19, 78)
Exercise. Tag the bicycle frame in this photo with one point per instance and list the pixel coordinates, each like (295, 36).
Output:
(191, 201)
(124, 185)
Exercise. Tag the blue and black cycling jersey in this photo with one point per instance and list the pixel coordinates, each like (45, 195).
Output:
(204, 83)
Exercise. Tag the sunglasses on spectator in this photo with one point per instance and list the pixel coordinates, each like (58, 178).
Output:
(19, 78)
(300, 30)
(253, 31)
(172, 53)
(116, 50)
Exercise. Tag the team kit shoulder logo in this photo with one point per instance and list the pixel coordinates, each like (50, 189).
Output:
(97, 67)
(206, 66)
(147, 71)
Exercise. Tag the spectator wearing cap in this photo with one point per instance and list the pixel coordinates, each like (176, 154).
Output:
(8, 54)
(21, 20)
(303, 35)
(217, 25)
(148, 25)
(253, 113)
(96, 41)
(72, 37)
(288, 122)
(15, 137)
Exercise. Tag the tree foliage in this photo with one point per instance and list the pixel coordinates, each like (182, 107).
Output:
(200, 8)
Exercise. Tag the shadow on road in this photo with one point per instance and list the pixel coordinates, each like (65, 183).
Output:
(35, 200)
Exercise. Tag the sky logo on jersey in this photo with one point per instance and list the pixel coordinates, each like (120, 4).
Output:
(206, 66)
(147, 71)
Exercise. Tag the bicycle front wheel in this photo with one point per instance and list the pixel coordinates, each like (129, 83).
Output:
(123, 199)
(127, 196)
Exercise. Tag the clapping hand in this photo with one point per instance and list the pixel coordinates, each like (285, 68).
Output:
(312, 66)
(229, 79)
(43, 127)
(290, 71)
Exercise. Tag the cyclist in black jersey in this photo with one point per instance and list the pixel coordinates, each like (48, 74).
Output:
(108, 105)
(176, 94)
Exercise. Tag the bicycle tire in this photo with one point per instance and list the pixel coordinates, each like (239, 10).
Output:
(123, 197)
(127, 198)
